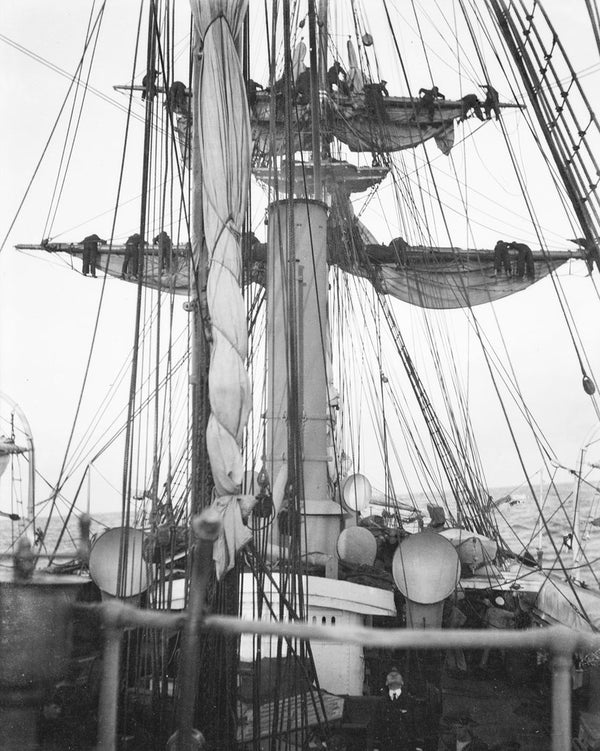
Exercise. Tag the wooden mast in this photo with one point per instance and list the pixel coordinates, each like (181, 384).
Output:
(297, 278)
(185, 739)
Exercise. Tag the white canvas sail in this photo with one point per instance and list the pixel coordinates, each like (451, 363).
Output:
(224, 132)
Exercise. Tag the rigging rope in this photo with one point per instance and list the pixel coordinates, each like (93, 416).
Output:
(73, 79)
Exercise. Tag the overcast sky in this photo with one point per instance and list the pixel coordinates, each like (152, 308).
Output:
(48, 312)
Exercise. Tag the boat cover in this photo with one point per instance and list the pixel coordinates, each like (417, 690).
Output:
(569, 604)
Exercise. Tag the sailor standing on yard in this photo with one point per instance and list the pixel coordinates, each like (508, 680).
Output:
(491, 102)
(428, 99)
(132, 254)
(337, 79)
(525, 264)
(90, 253)
(164, 250)
(501, 258)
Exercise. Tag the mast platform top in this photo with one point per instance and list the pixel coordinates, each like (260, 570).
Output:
(337, 176)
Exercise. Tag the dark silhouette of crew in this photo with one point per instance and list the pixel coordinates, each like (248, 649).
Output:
(428, 98)
(525, 264)
(165, 248)
(90, 253)
(133, 252)
(461, 734)
(470, 103)
(149, 84)
(502, 258)
(303, 87)
(590, 250)
(491, 102)
(177, 98)
(399, 247)
(374, 94)
(337, 79)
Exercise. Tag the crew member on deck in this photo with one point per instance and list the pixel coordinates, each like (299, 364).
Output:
(132, 254)
(394, 716)
(90, 253)
(461, 736)
(499, 617)
(491, 102)
(428, 99)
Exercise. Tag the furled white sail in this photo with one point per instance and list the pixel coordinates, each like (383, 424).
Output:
(298, 56)
(355, 76)
(223, 121)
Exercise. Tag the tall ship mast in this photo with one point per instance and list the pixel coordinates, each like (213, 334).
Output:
(294, 221)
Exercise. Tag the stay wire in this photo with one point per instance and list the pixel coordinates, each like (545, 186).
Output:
(555, 282)
(74, 79)
(55, 200)
(60, 480)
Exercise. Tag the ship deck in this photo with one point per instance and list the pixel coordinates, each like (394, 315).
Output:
(508, 703)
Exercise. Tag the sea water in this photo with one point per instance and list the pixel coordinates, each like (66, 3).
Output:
(62, 530)
(519, 521)
(553, 520)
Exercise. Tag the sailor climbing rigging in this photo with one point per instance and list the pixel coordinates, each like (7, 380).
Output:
(149, 84)
(337, 79)
(177, 98)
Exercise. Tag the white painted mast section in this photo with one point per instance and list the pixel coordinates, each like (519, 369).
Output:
(310, 243)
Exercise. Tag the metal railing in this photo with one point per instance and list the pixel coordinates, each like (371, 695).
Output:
(561, 642)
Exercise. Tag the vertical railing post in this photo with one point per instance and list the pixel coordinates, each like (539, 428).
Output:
(207, 527)
(562, 660)
(109, 691)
